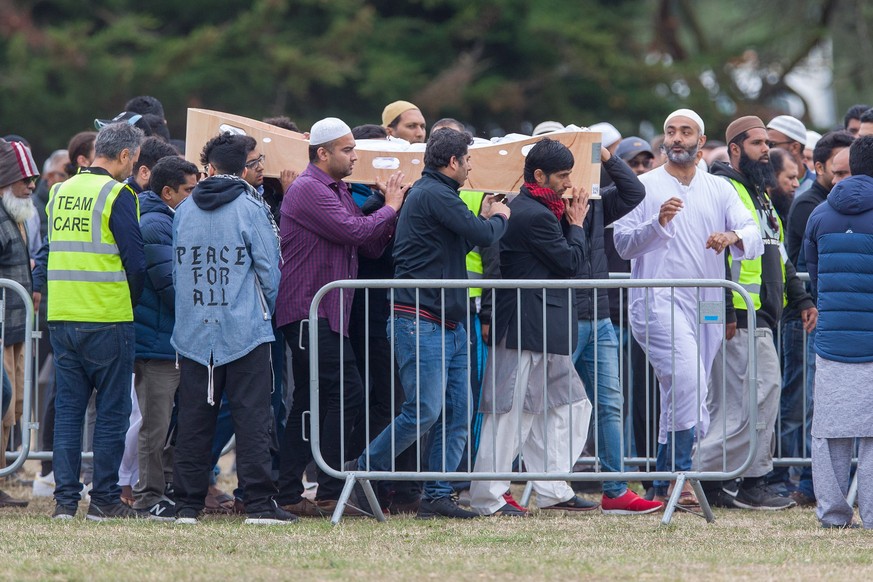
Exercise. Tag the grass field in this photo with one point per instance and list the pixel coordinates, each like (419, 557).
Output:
(758, 546)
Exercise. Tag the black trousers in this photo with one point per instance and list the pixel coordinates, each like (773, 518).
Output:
(248, 382)
(645, 446)
(337, 412)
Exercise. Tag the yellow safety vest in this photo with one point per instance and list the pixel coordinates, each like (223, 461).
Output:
(86, 278)
(473, 200)
(748, 272)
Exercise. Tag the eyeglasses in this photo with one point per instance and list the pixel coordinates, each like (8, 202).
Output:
(31, 181)
(776, 144)
(647, 163)
(259, 161)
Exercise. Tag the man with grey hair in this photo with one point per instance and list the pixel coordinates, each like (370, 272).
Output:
(96, 269)
(18, 175)
(789, 133)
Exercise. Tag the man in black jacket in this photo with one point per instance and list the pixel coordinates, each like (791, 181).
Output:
(434, 233)
(548, 418)
(598, 345)
(770, 280)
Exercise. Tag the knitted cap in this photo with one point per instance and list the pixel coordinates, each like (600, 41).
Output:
(692, 115)
(393, 110)
(791, 127)
(742, 124)
(16, 163)
(327, 130)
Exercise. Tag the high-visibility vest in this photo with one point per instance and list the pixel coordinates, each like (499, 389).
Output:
(86, 278)
(748, 272)
(473, 200)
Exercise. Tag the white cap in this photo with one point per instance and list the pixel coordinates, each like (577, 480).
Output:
(812, 138)
(791, 127)
(547, 127)
(690, 115)
(327, 130)
(608, 131)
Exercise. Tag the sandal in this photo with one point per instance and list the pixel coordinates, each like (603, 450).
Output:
(217, 501)
(127, 495)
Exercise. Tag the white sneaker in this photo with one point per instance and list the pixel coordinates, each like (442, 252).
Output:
(44, 486)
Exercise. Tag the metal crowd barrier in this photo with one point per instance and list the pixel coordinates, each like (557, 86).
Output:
(709, 313)
(31, 335)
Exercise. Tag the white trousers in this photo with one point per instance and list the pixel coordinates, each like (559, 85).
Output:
(128, 471)
(550, 442)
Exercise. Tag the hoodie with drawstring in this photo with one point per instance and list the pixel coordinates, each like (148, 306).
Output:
(225, 272)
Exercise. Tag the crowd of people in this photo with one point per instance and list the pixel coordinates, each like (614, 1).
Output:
(197, 282)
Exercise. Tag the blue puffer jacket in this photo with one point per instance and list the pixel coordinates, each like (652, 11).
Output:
(153, 316)
(839, 254)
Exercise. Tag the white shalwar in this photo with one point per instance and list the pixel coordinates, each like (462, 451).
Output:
(661, 318)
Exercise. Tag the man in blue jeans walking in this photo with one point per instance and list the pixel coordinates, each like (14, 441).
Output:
(596, 354)
(434, 234)
(96, 270)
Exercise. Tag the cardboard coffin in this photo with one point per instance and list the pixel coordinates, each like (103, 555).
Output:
(497, 167)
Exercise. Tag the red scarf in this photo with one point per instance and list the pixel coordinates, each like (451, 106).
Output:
(547, 196)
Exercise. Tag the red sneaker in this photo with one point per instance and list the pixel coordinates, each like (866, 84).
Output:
(510, 500)
(629, 504)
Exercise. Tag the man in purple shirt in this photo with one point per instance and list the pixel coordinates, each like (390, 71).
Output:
(322, 232)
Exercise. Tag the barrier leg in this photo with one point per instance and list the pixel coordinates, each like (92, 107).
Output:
(704, 503)
(525, 497)
(853, 491)
(343, 500)
(371, 498)
(674, 500)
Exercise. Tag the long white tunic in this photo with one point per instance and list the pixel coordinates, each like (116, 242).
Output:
(662, 318)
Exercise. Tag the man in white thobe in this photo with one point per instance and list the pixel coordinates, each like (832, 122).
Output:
(679, 232)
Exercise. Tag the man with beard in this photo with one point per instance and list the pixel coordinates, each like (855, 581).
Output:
(18, 176)
(769, 279)
(789, 133)
(785, 182)
(679, 230)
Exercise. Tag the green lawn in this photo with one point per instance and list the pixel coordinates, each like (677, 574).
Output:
(739, 545)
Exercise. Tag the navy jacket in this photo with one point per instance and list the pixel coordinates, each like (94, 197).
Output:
(153, 317)
(839, 253)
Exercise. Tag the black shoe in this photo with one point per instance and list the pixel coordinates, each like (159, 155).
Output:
(64, 513)
(509, 511)
(163, 510)
(274, 516)
(442, 507)
(575, 503)
(721, 497)
(7, 500)
(759, 497)
(851, 525)
(186, 516)
(112, 511)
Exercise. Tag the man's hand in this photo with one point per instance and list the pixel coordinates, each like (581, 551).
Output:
(604, 154)
(492, 204)
(394, 190)
(576, 207)
(730, 330)
(286, 178)
(719, 241)
(37, 297)
(669, 210)
(809, 317)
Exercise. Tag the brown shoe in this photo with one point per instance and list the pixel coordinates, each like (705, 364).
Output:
(328, 506)
(306, 508)
(217, 501)
(7, 500)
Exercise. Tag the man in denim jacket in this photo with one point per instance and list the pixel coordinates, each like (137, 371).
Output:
(225, 273)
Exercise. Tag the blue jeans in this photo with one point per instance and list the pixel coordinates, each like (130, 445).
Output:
(7, 392)
(793, 432)
(423, 408)
(608, 400)
(91, 356)
(664, 462)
